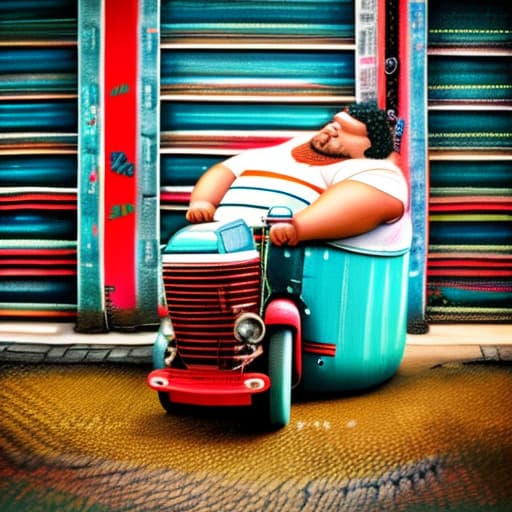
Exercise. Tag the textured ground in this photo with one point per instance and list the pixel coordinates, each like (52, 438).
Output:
(93, 437)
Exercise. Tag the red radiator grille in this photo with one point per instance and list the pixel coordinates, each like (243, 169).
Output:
(204, 300)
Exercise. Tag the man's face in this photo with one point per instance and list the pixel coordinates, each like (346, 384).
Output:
(344, 136)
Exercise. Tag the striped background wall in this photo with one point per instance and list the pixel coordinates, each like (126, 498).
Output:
(251, 75)
(469, 274)
(38, 154)
(228, 79)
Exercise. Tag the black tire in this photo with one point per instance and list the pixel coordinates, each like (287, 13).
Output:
(166, 402)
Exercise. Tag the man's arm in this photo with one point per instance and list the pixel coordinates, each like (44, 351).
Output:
(208, 192)
(348, 208)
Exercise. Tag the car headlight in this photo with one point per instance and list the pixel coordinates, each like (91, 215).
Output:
(166, 327)
(249, 328)
(254, 383)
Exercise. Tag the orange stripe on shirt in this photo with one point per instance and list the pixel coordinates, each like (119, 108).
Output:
(270, 174)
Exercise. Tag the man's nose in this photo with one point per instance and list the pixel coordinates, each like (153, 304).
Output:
(333, 128)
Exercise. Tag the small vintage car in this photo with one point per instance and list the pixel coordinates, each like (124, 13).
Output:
(245, 321)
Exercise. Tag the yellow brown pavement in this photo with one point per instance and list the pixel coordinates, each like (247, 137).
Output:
(95, 437)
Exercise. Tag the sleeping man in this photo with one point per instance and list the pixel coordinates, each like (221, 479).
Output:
(341, 184)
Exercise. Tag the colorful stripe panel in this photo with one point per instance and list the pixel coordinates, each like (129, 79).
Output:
(38, 171)
(120, 67)
(119, 238)
(91, 304)
(147, 248)
(412, 99)
(469, 259)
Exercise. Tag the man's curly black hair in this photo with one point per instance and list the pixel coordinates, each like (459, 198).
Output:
(378, 128)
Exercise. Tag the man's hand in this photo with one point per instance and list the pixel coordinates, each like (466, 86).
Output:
(200, 211)
(284, 233)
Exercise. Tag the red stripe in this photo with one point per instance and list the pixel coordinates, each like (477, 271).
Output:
(121, 30)
(38, 206)
(37, 272)
(468, 273)
(269, 174)
(469, 263)
(381, 54)
(470, 199)
(7, 198)
(321, 349)
(463, 256)
(469, 207)
(35, 262)
(175, 197)
(47, 313)
(35, 252)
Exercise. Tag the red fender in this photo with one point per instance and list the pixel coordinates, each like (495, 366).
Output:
(284, 312)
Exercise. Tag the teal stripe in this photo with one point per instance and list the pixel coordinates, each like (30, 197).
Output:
(38, 171)
(148, 178)
(38, 116)
(416, 123)
(37, 60)
(37, 244)
(267, 195)
(170, 222)
(37, 20)
(91, 307)
(50, 224)
(470, 129)
(471, 233)
(476, 174)
(236, 116)
(455, 78)
(185, 169)
(332, 69)
(51, 290)
(43, 70)
(327, 18)
(469, 22)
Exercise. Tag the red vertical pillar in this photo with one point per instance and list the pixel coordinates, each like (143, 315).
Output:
(381, 54)
(120, 143)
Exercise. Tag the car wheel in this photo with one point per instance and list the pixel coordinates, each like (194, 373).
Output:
(280, 373)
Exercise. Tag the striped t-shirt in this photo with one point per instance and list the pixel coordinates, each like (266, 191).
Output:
(272, 177)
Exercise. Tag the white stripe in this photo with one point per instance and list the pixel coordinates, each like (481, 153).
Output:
(194, 258)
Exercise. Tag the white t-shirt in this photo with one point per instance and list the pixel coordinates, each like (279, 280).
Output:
(269, 177)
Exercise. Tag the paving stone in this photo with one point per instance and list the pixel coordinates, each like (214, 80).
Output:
(142, 352)
(75, 355)
(97, 355)
(505, 352)
(22, 357)
(490, 352)
(56, 353)
(28, 348)
(88, 346)
(118, 354)
(79, 353)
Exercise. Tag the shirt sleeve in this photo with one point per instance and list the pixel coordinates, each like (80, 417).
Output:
(242, 161)
(382, 175)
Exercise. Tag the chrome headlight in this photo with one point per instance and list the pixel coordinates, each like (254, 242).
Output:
(249, 328)
(166, 327)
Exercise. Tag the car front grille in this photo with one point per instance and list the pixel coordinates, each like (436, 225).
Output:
(204, 300)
